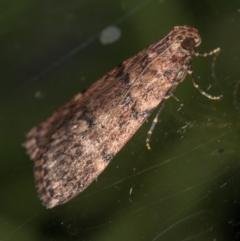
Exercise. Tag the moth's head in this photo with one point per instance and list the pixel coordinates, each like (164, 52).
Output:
(187, 36)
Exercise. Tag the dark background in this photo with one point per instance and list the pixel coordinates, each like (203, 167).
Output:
(187, 187)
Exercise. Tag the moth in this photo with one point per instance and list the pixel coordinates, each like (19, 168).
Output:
(76, 143)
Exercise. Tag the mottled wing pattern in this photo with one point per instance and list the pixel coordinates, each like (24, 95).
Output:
(75, 144)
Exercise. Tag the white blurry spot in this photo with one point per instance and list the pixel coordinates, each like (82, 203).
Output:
(38, 94)
(130, 192)
(110, 35)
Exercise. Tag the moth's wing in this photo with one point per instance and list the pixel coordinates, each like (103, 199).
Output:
(70, 163)
(38, 137)
(50, 144)
(56, 146)
(65, 148)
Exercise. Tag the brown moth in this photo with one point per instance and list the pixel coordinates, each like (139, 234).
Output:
(76, 143)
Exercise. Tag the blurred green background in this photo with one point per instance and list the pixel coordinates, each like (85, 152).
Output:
(187, 186)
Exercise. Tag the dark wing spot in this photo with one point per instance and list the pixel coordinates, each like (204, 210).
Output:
(38, 168)
(106, 156)
(38, 181)
(142, 114)
(48, 182)
(51, 192)
(167, 73)
(45, 171)
(43, 192)
(124, 76)
(45, 159)
(122, 123)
